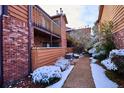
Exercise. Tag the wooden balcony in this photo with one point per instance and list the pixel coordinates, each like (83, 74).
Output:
(42, 20)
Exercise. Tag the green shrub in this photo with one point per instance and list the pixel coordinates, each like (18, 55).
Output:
(45, 84)
(108, 46)
(100, 57)
(119, 62)
(112, 75)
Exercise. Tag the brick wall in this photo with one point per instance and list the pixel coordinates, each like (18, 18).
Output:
(63, 33)
(119, 39)
(15, 49)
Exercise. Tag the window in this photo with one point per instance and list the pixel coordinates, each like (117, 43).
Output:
(0, 10)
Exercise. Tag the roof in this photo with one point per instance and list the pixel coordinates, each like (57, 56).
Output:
(100, 13)
(81, 29)
(58, 15)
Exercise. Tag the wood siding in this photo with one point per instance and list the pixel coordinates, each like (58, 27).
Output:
(107, 13)
(114, 13)
(118, 18)
(18, 11)
(45, 56)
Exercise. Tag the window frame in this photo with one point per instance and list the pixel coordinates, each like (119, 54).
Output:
(0, 10)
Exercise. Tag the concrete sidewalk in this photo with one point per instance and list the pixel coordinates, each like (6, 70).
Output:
(81, 76)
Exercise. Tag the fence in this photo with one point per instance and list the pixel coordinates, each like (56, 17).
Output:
(45, 56)
(69, 49)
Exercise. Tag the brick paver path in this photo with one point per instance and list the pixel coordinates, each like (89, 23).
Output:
(81, 76)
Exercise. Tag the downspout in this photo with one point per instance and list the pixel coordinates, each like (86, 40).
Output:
(1, 49)
(29, 39)
(3, 12)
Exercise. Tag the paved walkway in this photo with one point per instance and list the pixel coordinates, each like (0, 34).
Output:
(80, 77)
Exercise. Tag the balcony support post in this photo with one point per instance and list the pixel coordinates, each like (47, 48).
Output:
(51, 40)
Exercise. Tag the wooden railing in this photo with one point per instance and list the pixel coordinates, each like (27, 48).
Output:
(56, 29)
(42, 20)
(46, 56)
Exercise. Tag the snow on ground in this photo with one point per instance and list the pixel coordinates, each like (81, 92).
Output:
(100, 79)
(108, 64)
(60, 83)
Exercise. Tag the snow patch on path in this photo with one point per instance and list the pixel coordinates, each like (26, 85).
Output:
(65, 74)
(100, 79)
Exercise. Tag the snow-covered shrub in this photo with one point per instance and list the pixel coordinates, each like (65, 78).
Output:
(100, 55)
(115, 60)
(72, 56)
(109, 64)
(116, 52)
(76, 55)
(92, 60)
(62, 63)
(46, 75)
(92, 50)
(98, 52)
(69, 56)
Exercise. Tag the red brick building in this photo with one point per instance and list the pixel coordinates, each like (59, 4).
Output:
(21, 28)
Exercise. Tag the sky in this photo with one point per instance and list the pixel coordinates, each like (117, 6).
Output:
(78, 16)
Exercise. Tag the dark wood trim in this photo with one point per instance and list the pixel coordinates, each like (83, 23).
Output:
(29, 38)
(42, 29)
(51, 41)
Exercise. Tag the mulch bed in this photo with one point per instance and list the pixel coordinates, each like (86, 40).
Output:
(25, 83)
